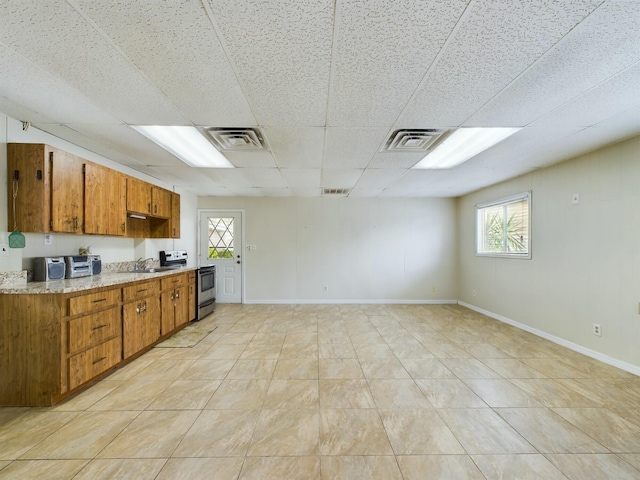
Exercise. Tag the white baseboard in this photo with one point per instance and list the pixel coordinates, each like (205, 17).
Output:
(317, 301)
(628, 367)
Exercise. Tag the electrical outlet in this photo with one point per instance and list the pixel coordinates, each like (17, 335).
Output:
(48, 239)
(433, 289)
(4, 249)
(597, 329)
(473, 293)
(325, 289)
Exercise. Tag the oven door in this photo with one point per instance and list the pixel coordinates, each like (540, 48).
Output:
(206, 284)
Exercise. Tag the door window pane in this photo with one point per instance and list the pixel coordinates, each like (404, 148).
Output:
(221, 237)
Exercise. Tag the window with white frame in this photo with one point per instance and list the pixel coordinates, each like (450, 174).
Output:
(503, 227)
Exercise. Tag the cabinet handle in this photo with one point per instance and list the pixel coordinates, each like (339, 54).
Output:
(98, 327)
(173, 297)
(148, 207)
(138, 309)
(100, 300)
(143, 290)
(99, 360)
(123, 226)
(155, 208)
(144, 306)
(177, 294)
(75, 223)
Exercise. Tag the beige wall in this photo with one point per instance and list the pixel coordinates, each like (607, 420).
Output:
(585, 265)
(369, 250)
(112, 249)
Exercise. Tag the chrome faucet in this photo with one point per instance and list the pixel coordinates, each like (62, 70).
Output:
(141, 264)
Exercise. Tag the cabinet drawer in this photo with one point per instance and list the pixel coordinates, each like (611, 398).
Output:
(174, 281)
(91, 330)
(140, 290)
(87, 365)
(93, 301)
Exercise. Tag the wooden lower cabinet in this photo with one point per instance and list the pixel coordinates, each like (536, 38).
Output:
(53, 344)
(175, 302)
(140, 324)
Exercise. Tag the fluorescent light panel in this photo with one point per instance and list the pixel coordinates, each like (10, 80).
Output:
(463, 144)
(187, 144)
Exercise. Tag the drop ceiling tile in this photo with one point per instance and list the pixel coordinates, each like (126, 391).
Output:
(24, 82)
(249, 159)
(276, 192)
(189, 179)
(340, 177)
(610, 35)
(488, 50)
(264, 177)
(379, 177)
(601, 102)
(365, 192)
(71, 49)
(382, 51)
(296, 147)
(352, 147)
(128, 143)
(178, 49)
(414, 180)
(306, 192)
(282, 54)
(302, 178)
(88, 142)
(227, 177)
(246, 191)
(395, 160)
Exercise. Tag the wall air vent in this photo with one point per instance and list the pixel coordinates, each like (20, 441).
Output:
(336, 192)
(236, 138)
(411, 141)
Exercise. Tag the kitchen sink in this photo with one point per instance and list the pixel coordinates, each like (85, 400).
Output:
(154, 270)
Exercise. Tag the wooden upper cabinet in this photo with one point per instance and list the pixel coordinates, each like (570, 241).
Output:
(28, 178)
(175, 215)
(105, 197)
(67, 192)
(138, 196)
(161, 201)
(50, 189)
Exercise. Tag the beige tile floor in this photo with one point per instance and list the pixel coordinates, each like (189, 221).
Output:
(349, 391)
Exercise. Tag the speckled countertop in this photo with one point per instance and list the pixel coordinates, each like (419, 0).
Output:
(106, 279)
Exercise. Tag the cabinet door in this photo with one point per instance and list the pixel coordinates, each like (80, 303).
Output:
(138, 196)
(104, 208)
(182, 306)
(175, 215)
(168, 311)
(30, 162)
(67, 192)
(161, 200)
(151, 329)
(132, 328)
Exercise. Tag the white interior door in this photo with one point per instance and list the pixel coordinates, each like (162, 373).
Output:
(221, 245)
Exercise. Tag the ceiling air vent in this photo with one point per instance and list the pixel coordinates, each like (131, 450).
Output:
(236, 138)
(411, 141)
(336, 192)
